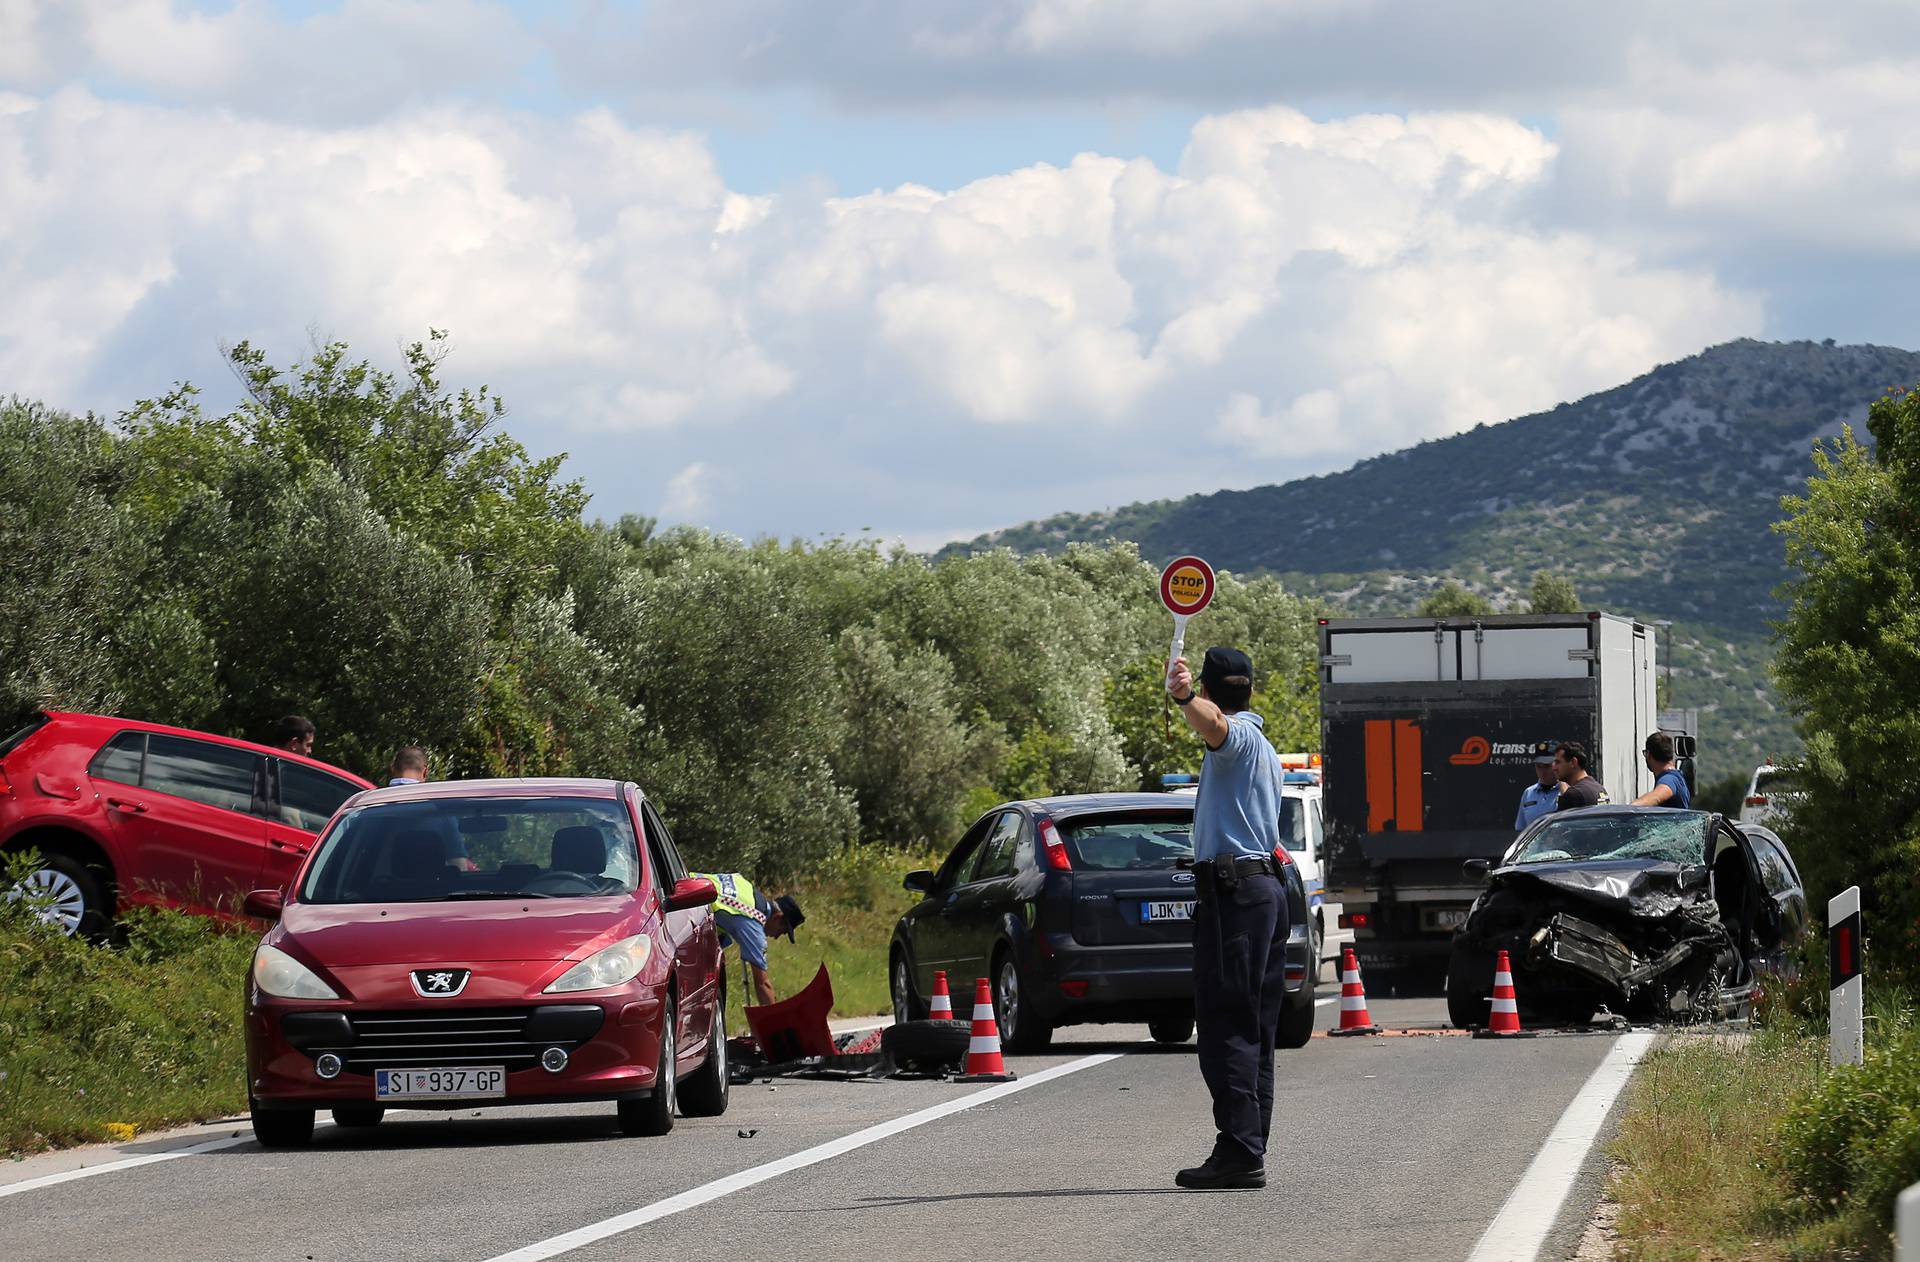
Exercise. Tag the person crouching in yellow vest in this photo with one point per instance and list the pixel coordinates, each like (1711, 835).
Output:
(749, 918)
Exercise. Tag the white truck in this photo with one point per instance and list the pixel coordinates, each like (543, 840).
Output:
(1429, 728)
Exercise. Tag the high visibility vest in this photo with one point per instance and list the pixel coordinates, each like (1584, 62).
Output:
(736, 895)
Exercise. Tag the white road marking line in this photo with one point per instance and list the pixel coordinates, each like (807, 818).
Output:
(1522, 1225)
(1321, 1003)
(127, 1163)
(583, 1236)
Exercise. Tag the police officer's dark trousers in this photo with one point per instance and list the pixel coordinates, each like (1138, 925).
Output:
(1239, 984)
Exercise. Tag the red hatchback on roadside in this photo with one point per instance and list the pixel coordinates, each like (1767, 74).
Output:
(123, 812)
(487, 942)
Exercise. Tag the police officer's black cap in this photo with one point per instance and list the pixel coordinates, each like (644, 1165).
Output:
(1226, 666)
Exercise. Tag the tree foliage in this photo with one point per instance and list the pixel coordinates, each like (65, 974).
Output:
(1849, 664)
(1453, 600)
(368, 548)
(1552, 593)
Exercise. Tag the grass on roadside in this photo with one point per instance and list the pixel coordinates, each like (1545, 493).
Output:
(94, 1040)
(1754, 1148)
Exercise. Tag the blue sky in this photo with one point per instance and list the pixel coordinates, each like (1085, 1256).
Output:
(783, 268)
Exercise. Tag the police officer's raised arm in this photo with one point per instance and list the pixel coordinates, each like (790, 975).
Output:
(1204, 717)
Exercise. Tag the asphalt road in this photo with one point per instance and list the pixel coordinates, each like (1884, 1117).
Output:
(1398, 1146)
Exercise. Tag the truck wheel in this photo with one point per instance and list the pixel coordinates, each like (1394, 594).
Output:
(1468, 988)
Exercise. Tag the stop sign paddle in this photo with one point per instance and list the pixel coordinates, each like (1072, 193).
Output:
(1186, 587)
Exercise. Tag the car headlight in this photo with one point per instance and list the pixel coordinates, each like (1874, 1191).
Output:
(610, 966)
(277, 973)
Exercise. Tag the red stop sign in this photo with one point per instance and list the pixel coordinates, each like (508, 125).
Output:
(1186, 586)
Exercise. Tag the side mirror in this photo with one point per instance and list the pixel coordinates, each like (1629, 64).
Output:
(264, 904)
(1476, 869)
(689, 892)
(920, 881)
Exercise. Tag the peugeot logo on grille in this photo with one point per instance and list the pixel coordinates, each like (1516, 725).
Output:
(440, 983)
(1183, 878)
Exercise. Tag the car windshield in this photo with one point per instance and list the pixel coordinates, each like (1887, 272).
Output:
(1128, 845)
(446, 849)
(1663, 836)
(1293, 824)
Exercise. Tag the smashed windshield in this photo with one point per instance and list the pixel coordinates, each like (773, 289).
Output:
(1661, 836)
(444, 849)
(1129, 845)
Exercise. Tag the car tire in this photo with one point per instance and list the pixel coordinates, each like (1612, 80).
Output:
(1021, 1028)
(653, 1114)
(704, 1093)
(1468, 988)
(1171, 1028)
(282, 1128)
(927, 1046)
(1296, 1019)
(906, 1005)
(76, 895)
(358, 1117)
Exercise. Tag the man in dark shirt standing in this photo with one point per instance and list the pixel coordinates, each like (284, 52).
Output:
(1669, 783)
(1570, 765)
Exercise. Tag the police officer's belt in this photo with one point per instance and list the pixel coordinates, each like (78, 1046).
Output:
(1227, 871)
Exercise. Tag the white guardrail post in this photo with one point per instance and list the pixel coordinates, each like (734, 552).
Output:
(1906, 1226)
(1844, 963)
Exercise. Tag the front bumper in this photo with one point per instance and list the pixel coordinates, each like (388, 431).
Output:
(612, 1041)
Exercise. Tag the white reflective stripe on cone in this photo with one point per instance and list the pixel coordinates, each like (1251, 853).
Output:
(978, 1044)
(983, 1012)
(1352, 1003)
(1350, 978)
(1505, 1005)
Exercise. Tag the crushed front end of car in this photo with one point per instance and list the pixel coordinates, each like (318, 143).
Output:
(1642, 939)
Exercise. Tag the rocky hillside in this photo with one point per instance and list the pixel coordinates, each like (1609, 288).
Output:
(1656, 497)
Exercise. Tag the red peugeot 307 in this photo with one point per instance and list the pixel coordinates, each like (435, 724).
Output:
(487, 942)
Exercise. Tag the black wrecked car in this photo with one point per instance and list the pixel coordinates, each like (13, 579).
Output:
(1651, 913)
(1080, 910)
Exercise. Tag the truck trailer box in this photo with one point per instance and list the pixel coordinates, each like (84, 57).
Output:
(1429, 729)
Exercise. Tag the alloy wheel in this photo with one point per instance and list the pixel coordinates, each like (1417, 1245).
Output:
(902, 996)
(669, 1083)
(1009, 1000)
(54, 897)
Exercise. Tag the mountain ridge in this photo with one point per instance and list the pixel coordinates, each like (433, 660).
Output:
(1663, 508)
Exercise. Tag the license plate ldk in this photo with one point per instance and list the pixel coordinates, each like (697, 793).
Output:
(1176, 910)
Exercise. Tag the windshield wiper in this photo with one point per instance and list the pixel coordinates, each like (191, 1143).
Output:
(447, 898)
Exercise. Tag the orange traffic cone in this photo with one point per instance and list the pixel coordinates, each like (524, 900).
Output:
(1504, 1021)
(983, 1049)
(940, 1007)
(1353, 999)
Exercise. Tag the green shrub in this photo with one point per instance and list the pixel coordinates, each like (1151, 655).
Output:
(1848, 1146)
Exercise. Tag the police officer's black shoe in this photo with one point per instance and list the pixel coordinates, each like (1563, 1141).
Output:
(1213, 1176)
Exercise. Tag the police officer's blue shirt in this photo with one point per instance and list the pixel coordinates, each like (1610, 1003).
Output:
(1538, 800)
(749, 934)
(1682, 796)
(1238, 810)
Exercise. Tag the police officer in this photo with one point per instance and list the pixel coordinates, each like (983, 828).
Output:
(1240, 926)
(749, 918)
(1541, 797)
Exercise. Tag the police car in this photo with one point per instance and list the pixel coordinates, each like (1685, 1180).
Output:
(1303, 831)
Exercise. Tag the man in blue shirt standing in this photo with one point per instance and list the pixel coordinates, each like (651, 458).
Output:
(1669, 785)
(1542, 797)
(1240, 924)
